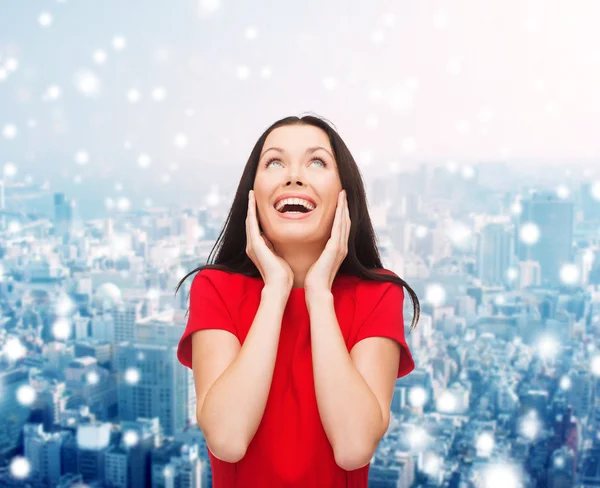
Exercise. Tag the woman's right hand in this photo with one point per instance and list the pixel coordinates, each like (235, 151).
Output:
(273, 268)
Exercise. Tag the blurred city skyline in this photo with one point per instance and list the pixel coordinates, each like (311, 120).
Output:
(474, 126)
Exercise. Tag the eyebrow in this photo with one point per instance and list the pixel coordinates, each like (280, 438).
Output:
(308, 151)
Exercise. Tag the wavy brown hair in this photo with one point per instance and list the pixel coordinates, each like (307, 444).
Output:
(363, 259)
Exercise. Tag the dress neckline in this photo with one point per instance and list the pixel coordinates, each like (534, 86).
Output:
(299, 293)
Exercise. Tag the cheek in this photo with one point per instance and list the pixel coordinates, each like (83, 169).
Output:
(262, 193)
(327, 217)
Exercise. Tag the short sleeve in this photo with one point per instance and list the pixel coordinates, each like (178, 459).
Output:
(387, 320)
(207, 311)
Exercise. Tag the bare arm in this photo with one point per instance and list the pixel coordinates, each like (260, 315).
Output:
(231, 410)
(350, 412)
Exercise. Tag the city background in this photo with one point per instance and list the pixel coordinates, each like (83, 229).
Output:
(124, 128)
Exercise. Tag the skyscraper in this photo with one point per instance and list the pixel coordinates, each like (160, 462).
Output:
(63, 215)
(553, 218)
(494, 253)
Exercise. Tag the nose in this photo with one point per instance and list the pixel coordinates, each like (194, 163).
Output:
(297, 180)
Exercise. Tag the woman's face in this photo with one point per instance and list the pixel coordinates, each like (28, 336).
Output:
(299, 168)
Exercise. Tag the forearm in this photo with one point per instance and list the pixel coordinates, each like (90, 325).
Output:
(349, 410)
(235, 404)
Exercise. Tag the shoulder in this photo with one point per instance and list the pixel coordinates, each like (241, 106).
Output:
(373, 287)
(215, 276)
(227, 284)
(368, 293)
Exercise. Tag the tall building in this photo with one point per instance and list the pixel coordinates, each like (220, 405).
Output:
(530, 274)
(588, 475)
(2, 205)
(581, 393)
(13, 415)
(63, 214)
(589, 202)
(128, 463)
(92, 441)
(553, 217)
(494, 253)
(43, 451)
(125, 316)
(152, 383)
(186, 469)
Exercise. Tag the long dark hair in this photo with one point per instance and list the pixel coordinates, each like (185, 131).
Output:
(363, 259)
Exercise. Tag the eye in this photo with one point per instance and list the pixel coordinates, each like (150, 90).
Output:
(272, 160)
(266, 165)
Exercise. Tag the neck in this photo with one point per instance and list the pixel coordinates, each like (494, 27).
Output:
(300, 257)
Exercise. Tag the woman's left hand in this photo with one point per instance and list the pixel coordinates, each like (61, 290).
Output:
(321, 274)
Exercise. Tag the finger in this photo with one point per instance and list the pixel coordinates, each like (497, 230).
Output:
(337, 220)
(257, 236)
(342, 220)
(248, 233)
(348, 222)
(346, 227)
(253, 220)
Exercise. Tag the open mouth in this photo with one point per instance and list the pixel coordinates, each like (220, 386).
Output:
(294, 209)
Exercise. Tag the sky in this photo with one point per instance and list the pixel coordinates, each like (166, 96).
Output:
(172, 96)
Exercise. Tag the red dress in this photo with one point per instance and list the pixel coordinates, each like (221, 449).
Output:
(290, 447)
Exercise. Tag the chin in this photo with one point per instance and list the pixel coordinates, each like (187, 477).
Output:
(296, 236)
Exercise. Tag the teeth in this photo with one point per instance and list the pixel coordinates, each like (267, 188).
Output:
(294, 201)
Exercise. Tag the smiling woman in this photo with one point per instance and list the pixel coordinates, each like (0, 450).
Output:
(296, 331)
(297, 162)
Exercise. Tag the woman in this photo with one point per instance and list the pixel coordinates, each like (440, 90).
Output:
(302, 332)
